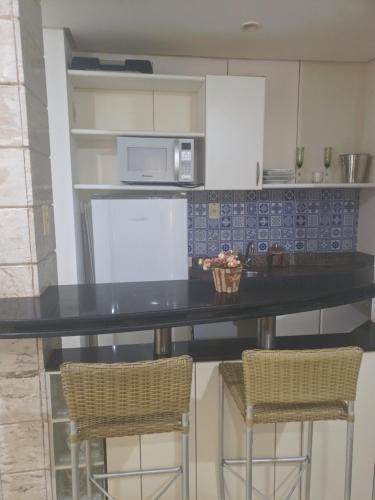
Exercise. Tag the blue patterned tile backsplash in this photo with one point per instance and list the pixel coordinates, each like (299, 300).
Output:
(300, 220)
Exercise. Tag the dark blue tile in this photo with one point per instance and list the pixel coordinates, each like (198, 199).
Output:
(251, 221)
(213, 196)
(200, 249)
(225, 235)
(262, 246)
(225, 247)
(263, 208)
(213, 248)
(239, 196)
(312, 220)
(263, 220)
(275, 233)
(226, 222)
(276, 220)
(238, 221)
(251, 208)
(238, 208)
(336, 220)
(213, 223)
(288, 245)
(265, 195)
(335, 245)
(287, 233)
(263, 234)
(200, 209)
(276, 208)
(289, 207)
(289, 195)
(288, 220)
(300, 246)
(238, 246)
(300, 220)
(300, 232)
(238, 234)
(301, 207)
(200, 235)
(250, 234)
(312, 245)
(213, 234)
(251, 195)
(226, 196)
(200, 222)
(313, 207)
(312, 232)
(225, 209)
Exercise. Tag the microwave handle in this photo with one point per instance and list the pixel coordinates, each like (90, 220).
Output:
(177, 159)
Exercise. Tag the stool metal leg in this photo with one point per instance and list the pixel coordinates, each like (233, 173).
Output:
(221, 439)
(185, 458)
(309, 455)
(74, 456)
(88, 470)
(349, 452)
(249, 456)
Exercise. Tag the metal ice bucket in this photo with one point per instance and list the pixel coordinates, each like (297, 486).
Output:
(354, 167)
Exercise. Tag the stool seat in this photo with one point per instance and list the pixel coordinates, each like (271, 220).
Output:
(101, 428)
(233, 378)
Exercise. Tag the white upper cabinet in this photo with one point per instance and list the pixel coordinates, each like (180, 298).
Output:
(280, 124)
(234, 132)
(330, 114)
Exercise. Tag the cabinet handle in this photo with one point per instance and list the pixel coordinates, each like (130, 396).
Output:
(258, 173)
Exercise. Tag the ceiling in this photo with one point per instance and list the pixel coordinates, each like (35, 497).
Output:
(327, 30)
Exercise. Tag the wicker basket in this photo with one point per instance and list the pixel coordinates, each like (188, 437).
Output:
(226, 280)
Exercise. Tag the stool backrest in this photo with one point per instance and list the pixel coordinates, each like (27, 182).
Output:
(302, 376)
(127, 389)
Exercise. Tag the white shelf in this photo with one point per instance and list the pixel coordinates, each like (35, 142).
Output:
(318, 186)
(134, 187)
(100, 134)
(116, 80)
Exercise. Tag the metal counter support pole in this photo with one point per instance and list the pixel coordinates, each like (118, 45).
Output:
(162, 342)
(266, 332)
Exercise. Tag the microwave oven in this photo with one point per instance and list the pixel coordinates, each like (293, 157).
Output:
(160, 160)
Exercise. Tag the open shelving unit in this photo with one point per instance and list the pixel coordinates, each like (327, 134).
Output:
(107, 104)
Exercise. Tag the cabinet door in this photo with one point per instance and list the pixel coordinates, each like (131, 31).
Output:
(330, 114)
(234, 132)
(280, 122)
(345, 318)
(207, 408)
(305, 323)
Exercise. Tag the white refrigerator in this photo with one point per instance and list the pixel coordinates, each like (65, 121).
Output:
(129, 240)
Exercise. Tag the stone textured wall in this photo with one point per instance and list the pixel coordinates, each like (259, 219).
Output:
(27, 256)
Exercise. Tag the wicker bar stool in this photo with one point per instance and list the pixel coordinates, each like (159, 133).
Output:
(127, 399)
(271, 386)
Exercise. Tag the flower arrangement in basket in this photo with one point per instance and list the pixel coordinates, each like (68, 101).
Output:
(226, 270)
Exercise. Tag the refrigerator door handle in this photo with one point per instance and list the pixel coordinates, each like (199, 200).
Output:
(177, 159)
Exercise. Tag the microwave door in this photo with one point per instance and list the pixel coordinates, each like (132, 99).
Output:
(146, 160)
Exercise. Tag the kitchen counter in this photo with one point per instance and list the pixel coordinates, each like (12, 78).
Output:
(213, 349)
(124, 307)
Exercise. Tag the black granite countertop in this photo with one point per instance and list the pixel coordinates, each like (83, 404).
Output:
(213, 349)
(121, 307)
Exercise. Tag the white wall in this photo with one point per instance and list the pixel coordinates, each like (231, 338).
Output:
(366, 229)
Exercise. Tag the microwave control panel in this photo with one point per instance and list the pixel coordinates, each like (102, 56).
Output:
(186, 170)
